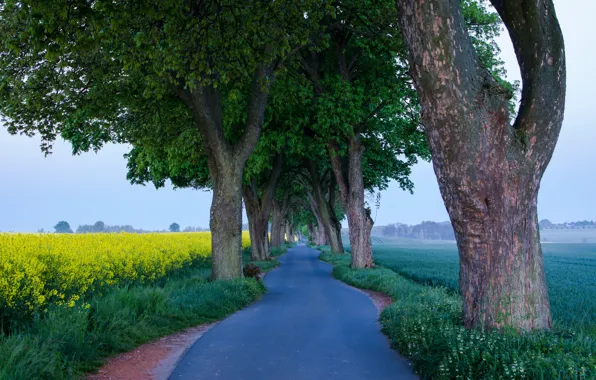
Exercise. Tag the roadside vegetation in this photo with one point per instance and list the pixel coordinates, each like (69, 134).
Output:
(40, 270)
(570, 272)
(64, 340)
(266, 265)
(424, 323)
(299, 110)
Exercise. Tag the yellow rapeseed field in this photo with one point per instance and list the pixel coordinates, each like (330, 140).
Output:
(40, 269)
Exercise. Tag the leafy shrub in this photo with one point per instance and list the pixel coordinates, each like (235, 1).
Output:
(251, 270)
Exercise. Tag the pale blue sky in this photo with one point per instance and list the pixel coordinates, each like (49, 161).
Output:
(36, 192)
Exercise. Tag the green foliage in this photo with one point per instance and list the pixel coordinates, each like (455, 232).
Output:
(174, 227)
(484, 26)
(357, 86)
(424, 324)
(115, 71)
(62, 227)
(67, 342)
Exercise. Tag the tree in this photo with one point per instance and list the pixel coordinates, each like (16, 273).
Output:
(99, 226)
(259, 194)
(174, 227)
(488, 169)
(322, 191)
(63, 227)
(365, 111)
(545, 223)
(107, 70)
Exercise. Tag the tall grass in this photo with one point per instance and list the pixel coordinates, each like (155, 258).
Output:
(66, 342)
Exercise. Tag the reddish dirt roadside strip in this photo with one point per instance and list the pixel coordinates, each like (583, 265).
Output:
(381, 300)
(154, 360)
(151, 361)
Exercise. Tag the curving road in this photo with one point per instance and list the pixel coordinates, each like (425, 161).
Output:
(307, 326)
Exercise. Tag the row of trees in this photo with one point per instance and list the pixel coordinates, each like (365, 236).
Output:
(300, 108)
(63, 227)
(444, 230)
(547, 224)
(426, 230)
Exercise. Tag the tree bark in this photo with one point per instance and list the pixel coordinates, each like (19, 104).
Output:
(320, 233)
(488, 170)
(226, 224)
(326, 210)
(276, 225)
(351, 190)
(258, 210)
(311, 232)
(259, 243)
(280, 209)
(226, 165)
(288, 232)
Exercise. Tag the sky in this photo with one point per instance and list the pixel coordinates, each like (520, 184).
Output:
(36, 191)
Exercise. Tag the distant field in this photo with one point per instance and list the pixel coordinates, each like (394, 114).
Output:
(570, 274)
(580, 235)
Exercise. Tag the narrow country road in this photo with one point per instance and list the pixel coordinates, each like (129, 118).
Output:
(307, 326)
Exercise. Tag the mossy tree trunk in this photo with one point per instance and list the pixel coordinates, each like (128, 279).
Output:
(489, 170)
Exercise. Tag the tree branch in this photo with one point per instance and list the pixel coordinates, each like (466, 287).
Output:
(262, 79)
(540, 50)
(336, 165)
(271, 186)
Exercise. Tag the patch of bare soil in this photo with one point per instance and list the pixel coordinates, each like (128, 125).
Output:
(381, 300)
(151, 361)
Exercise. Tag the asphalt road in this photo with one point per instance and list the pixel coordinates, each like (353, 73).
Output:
(307, 326)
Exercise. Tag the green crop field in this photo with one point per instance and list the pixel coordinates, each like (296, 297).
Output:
(570, 274)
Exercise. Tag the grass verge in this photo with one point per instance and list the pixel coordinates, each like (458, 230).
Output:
(266, 265)
(424, 324)
(67, 342)
(276, 252)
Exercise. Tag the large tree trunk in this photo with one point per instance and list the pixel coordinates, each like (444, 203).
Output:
(319, 229)
(288, 232)
(325, 209)
(259, 242)
(311, 232)
(351, 189)
(226, 224)
(259, 202)
(276, 225)
(226, 164)
(488, 170)
(257, 226)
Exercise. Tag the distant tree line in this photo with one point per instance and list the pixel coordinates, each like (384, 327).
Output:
(546, 224)
(63, 227)
(426, 230)
(100, 226)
